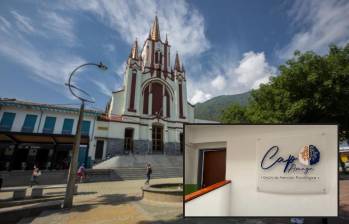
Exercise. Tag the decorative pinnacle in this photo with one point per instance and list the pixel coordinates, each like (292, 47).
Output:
(177, 65)
(155, 30)
(134, 51)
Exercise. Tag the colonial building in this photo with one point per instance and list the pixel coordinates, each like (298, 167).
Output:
(146, 115)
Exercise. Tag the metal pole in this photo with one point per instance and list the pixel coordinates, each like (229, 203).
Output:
(68, 199)
(69, 193)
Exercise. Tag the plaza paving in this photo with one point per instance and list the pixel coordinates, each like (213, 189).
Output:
(120, 202)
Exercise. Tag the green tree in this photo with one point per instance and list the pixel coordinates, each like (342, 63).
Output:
(309, 89)
(233, 114)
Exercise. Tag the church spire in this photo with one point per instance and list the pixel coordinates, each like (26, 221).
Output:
(134, 51)
(155, 30)
(177, 65)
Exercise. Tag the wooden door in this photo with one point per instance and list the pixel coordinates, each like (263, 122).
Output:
(214, 164)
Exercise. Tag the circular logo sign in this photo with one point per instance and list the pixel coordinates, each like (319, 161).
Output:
(309, 155)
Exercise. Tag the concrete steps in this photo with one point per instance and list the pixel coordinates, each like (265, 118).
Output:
(132, 167)
(140, 161)
(140, 173)
(129, 173)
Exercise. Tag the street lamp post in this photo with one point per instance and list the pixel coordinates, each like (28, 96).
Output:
(68, 199)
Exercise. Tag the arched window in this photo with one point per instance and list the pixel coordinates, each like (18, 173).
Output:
(158, 57)
(157, 98)
(168, 103)
(146, 100)
(161, 99)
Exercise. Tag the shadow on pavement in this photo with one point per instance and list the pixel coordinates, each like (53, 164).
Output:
(107, 199)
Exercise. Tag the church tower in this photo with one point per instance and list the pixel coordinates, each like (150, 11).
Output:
(152, 87)
(154, 95)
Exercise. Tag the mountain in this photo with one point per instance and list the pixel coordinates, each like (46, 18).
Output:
(212, 108)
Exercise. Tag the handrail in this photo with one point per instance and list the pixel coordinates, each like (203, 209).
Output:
(205, 190)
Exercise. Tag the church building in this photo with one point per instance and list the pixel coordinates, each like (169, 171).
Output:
(146, 115)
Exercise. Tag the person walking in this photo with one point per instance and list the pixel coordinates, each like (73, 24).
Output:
(149, 172)
(82, 173)
(36, 172)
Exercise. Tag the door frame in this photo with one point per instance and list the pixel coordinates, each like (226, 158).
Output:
(130, 150)
(201, 158)
(161, 126)
(103, 143)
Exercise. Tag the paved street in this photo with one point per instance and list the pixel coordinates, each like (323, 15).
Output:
(120, 202)
(112, 202)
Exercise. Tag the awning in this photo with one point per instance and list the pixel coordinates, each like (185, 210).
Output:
(22, 137)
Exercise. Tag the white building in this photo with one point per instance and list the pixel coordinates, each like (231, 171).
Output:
(146, 116)
(42, 134)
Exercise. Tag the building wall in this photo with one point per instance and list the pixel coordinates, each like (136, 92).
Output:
(112, 133)
(217, 201)
(40, 121)
(241, 165)
(22, 111)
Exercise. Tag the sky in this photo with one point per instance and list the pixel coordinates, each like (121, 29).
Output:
(227, 47)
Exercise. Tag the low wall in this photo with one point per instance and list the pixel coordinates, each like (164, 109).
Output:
(218, 201)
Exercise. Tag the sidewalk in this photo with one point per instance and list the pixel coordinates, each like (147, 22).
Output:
(120, 202)
(112, 202)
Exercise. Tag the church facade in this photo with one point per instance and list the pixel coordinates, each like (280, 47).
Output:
(147, 114)
(144, 117)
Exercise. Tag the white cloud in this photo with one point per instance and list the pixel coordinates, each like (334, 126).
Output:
(47, 67)
(61, 27)
(133, 19)
(5, 25)
(227, 77)
(54, 68)
(24, 23)
(219, 82)
(199, 96)
(253, 70)
(322, 23)
(103, 88)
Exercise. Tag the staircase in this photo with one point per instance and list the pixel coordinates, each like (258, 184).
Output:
(139, 173)
(132, 167)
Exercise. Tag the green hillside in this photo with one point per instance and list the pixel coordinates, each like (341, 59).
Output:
(211, 109)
